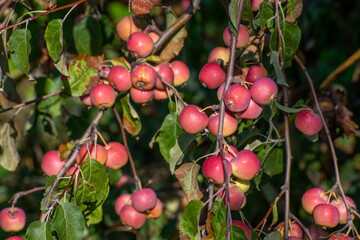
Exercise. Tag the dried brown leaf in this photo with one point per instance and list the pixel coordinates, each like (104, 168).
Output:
(174, 46)
(186, 174)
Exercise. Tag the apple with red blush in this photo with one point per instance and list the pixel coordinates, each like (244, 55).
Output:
(312, 198)
(219, 53)
(126, 26)
(144, 200)
(243, 226)
(12, 219)
(263, 91)
(117, 155)
(52, 163)
(230, 123)
(156, 211)
(192, 119)
(213, 169)
(307, 122)
(140, 43)
(167, 75)
(242, 39)
(255, 72)
(326, 215)
(245, 165)
(97, 152)
(130, 217)
(340, 205)
(103, 95)
(119, 77)
(212, 75)
(143, 77)
(181, 72)
(121, 201)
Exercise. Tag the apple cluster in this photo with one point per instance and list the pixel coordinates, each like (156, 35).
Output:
(133, 209)
(12, 219)
(328, 213)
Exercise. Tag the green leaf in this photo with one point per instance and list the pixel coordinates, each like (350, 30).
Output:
(273, 236)
(93, 188)
(248, 14)
(266, 12)
(39, 231)
(274, 162)
(187, 175)
(53, 38)
(289, 43)
(178, 151)
(219, 220)
(294, 9)
(131, 118)
(46, 199)
(275, 215)
(189, 222)
(274, 60)
(80, 77)
(237, 233)
(88, 36)
(68, 222)
(269, 112)
(61, 65)
(20, 48)
(51, 105)
(287, 109)
(170, 130)
(233, 12)
(9, 156)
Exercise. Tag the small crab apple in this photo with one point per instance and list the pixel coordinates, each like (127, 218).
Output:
(340, 205)
(192, 119)
(140, 43)
(253, 111)
(242, 39)
(141, 96)
(340, 236)
(294, 229)
(156, 211)
(85, 99)
(237, 98)
(255, 4)
(162, 94)
(263, 91)
(308, 122)
(117, 155)
(236, 196)
(52, 163)
(230, 152)
(243, 184)
(126, 26)
(154, 36)
(130, 217)
(242, 225)
(312, 198)
(326, 215)
(143, 200)
(245, 165)
(124, 179)
(213, 169)
(212, 75)
(166, 73)
(15, 238)
(220, 91)
(97, 152)
(121, 201)
(219, 53)
(12, 219)
(256, 72)
(181, 72)
(230, 123)
(119, 77)
(102, 95)
(143, 77)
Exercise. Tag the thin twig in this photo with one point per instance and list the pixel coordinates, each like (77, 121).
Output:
(18, 195)
(301, 225)
(123, 133)
(173, 89)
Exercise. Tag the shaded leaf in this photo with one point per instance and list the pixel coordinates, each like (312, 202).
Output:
(20, 48)
(233, 13)
(247, 14)
(178, 151)
(287, 109)
(51, 105)
(53, 38)
(252, 146)
(219, 220)
(61, 65)
(187, 174)
(39, 231)
(266, 12)
(131, 119)
(46, 199)
(274, 60)
(274, 162)
(9, 156)
(174, 46)
(188, 228)
(294, 9)
(273, 236)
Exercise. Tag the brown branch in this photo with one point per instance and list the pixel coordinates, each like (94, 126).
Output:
(123, 133)
(351, 60)
(173, 89)
(301, 225)
(32, 101)
(18, 195)
(279, 32)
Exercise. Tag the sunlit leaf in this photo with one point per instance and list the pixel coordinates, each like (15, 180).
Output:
(9, 156)
(20, 48)
(187, 174)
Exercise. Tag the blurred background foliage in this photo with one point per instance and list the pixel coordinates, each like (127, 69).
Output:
(330, 34)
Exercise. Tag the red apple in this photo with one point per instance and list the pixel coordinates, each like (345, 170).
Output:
(156, 211)
(236, 196)
(230, 152)
(212, 75)
(237, 98)
(326, 215)
(256, 72)
(124, 179)
(15, 238)
(162, 94)
(263, 91)
(242, 39)
(130, 217)
(340, 205)
(126, 26)
(143, 200)
(103, 95)
(12, 220)
(294, 229)
(242, 225)
(140, 43)
(52, 163)
(230, 124)
(121, 201)
(245, 165)
(308, 122)
(141, 96)
(192, 119)
(312, 198)
(85, 99)
(340, 236)
(181, 72)
(99, 153)
(166, 73)
(119, 77)
(143, 77)
(219, 53)
(213, 169)
(117, 155)
(253, 111)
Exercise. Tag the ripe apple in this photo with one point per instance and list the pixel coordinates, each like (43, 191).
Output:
(308, 122)
(154, 36)
(15, 238)
(166, 73)
(119, 77)
(103, 95)
(156, 211)
(121, 201)
(219, 53)
(230, 124)
(236, 196)
(220, 90)
(340, 205)
(242, 225)
(117, 155)
(237, 98)
(140, 43)
(326, 215)
(312, 198)
(253, 111)
(12, 220)
(141, 96)
(126, 26)
(97, 152)
(124, 179)
(256, 72)
(212, 75)
(294, 229)
(85, 99)
(181, 72)
(52, 163)
(230, 152)
(213, 169)
(130, 217)
(143, 77)
(144, 200)
(245, 165)
(340, 236)
(263, 91)
(192, 119)
(242, 39)
(162, 94)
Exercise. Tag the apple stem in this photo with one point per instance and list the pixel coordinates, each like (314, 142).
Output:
(102, 139)
(176, 93)
(337, 184)
(131, 160)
